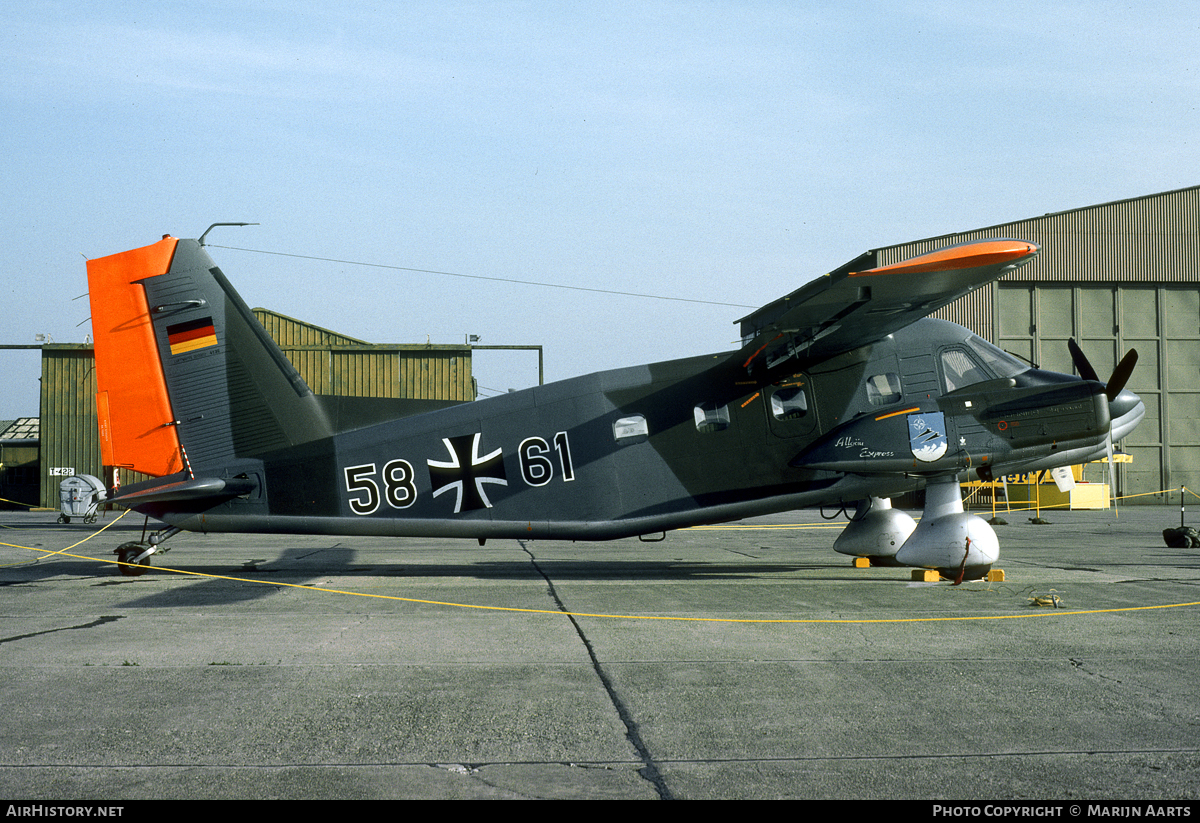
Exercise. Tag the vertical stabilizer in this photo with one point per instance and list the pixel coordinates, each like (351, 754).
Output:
(179, 331)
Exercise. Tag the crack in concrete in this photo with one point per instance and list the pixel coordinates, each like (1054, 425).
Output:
(649, 770)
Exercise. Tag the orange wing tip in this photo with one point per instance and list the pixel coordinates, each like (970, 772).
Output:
(964, 256)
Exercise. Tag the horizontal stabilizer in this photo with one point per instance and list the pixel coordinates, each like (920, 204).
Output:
(193, 489)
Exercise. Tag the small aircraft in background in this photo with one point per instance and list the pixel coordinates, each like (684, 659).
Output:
(843, 393)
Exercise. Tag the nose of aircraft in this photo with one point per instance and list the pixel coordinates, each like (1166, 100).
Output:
(1126, 411)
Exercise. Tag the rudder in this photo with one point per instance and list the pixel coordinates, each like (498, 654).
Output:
(131, 398)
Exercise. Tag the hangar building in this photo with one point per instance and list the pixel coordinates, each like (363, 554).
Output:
(1114, 276)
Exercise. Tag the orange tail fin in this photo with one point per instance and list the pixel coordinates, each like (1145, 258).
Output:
(137, 432)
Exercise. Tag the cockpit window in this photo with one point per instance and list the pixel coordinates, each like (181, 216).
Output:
(975, 361)
(999, 361)
(959, 370)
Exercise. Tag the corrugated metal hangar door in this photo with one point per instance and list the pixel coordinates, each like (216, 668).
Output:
(1160, 321)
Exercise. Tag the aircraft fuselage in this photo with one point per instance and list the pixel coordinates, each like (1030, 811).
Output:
(641, 450)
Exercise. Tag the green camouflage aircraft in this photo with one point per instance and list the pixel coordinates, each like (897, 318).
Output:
(843, 393)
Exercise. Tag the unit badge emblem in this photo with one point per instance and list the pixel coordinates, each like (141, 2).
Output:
(927, 436)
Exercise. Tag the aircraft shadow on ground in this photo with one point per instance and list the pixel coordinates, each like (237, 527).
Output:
(296, 567)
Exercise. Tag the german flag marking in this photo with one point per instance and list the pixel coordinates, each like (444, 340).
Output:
(191, 336)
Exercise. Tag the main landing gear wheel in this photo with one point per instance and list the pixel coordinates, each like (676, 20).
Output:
(128, 555)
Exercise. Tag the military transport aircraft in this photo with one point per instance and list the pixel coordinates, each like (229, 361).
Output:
(842, 394)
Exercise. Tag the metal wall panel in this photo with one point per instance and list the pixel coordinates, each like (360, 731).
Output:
(364, 374)
(333, 363)
(287, 331)
(70, 441)
(314, 366)
(973, 311)
(422, 374)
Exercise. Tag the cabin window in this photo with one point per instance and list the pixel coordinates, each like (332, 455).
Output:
(959, 370)
(711, 418)
(630, 429)
(883, 389)
(789, 404)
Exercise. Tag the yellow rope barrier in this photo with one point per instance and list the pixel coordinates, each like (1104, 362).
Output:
(63, 551)
(559, 613)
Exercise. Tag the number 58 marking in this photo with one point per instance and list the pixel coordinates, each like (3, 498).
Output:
(399, 490)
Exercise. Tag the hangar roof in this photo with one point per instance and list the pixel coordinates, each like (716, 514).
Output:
(24, 429)
(1150, 239)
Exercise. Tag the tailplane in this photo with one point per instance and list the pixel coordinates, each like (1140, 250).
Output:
(187, 379)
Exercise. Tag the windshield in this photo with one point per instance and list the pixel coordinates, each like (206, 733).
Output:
(1001, 363)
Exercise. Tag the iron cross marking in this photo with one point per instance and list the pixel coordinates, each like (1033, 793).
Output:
(467, 473)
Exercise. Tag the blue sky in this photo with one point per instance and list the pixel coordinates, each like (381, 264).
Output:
(717, 151)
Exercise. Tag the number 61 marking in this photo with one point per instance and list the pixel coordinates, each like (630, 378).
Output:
(537, 468)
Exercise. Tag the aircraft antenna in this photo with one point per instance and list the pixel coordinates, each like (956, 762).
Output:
(214, 225)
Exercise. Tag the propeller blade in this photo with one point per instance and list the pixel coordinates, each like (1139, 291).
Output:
(1081, 362)
(1112, 473)
(1116, 380)
(1120, 375)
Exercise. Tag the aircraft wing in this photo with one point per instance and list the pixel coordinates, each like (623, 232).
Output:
(847, 309)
